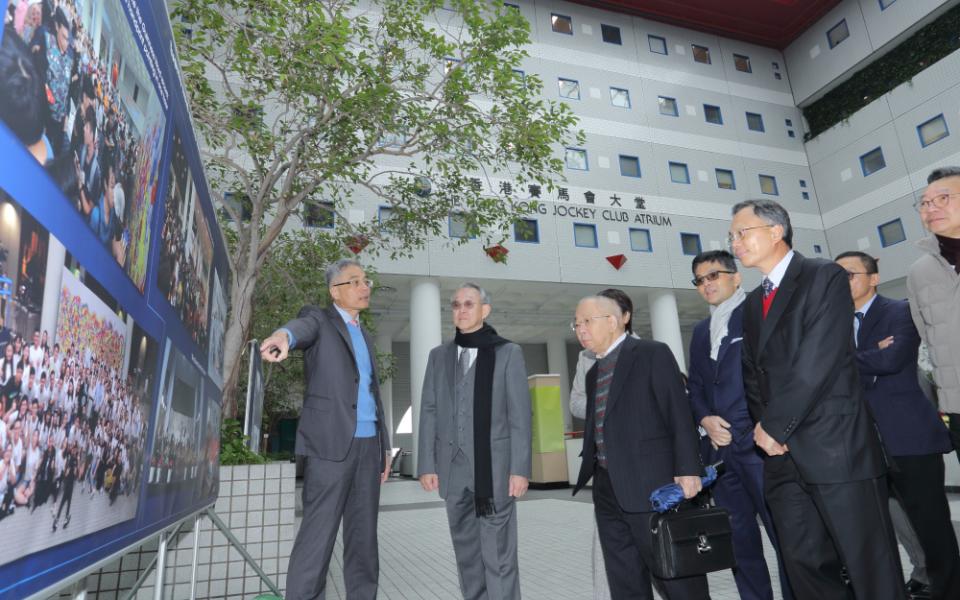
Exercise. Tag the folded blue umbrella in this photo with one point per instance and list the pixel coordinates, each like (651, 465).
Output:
(670, 496)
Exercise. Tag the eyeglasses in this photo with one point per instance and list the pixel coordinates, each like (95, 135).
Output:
(852, 274)
(739, 234)
(575, 325)
(467, 304)
(355, 283)
(938, 201)
(711, 276)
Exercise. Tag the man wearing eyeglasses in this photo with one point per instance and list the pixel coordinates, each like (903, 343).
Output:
(475, 445)
(824, 466)
(912, 432)
(341, 435)
(639, 434)
(933, 288)
(720, 406)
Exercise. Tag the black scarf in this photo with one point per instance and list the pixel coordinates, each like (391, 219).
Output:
(486, 341)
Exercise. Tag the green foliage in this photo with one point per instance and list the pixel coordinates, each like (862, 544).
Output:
(233, 446)
(916, 53)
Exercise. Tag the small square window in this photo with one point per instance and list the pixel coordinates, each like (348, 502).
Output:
(805, 195)
(768, 185)
(755, 122)
(701, 54)
(459, 226)
(872, 161)
(791, 133)
(932, 131)
(803, 183)
(712, 114)
(690, 242)
(838, 33)
(777, 76)
(640, 240)
(610, 34)
(668, 106)
(561, 24)
(742, 63)
(629, 166)
(788, 122)
(320, 215)
(891, 233)
(885, 4)
(679, 173)
(620, 97)
(512, 5)
(450, 64)
(657, 44)
(569, 88)
(526, 231)
(725, 179)
(817, 249)
(385, 214)
(576, 159)
(776, 66)
(585, 235)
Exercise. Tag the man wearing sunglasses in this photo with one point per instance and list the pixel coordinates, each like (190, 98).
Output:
(341, 435)
(720, 408)
(824, 467)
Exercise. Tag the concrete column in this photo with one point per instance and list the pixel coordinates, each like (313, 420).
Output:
(424, 336)
(56, 255)
(385, 344)
(665, 322)
(127, 346)
(557, 363)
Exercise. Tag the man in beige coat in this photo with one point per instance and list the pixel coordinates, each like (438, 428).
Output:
(933, 287)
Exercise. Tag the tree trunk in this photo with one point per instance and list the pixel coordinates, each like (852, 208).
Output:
(241, 309)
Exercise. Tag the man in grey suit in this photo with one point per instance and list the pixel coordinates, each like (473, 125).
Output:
(341, 435)
(475, 444)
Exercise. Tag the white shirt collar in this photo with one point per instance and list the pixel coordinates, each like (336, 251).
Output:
(776, 274)
(863, 309)
(614, 345)
(345, 315)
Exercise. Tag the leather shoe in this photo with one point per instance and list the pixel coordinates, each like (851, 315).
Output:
(917, 590)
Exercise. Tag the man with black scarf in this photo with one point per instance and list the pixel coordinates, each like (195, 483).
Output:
(475, 445)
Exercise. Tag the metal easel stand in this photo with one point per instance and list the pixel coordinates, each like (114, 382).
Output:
(159, 561)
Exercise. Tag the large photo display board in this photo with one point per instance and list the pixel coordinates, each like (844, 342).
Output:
(113, 286)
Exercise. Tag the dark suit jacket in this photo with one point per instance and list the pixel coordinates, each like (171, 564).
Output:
(329, 416)
(648, 428)
(908, 421)
(716, 387)
(800, 374)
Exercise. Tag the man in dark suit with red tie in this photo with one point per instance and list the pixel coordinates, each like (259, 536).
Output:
(913, 433)
(824, 467)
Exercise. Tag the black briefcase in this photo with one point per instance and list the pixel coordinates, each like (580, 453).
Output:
(691, 541)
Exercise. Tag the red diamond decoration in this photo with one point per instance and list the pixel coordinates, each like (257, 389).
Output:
(497, 253)
(617, 260)
(357, 243)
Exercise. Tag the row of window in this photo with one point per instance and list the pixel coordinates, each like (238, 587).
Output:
(929, 132)
(610, 34)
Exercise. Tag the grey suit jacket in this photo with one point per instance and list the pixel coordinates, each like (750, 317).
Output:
(510, 433)
(329, 416)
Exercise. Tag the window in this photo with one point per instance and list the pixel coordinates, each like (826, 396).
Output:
(777, 76)
(385, 214)
(585, 235)
(668, 106)
(136, 92)
(561, 24)
(679, 173)
(768, 185)
(872, 161)
(576, 159)
(788, 122)
(805, 195)
(891, 233)
(610, 34)
(932, 131)
(459, 226)
(803, 183)
(521, 74)
(885, 4)
(838, 33)
(569, 88)
(742, 63)
(712, 114)
(690, 242)
(657, 44)
(725, 179)
(817, 249)
(701, 54)
(526, 231)
(512, 5)
(620, 97)
(640, 240)
(320, 215)
(791, 133)
(754, 122)
(629, 166)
